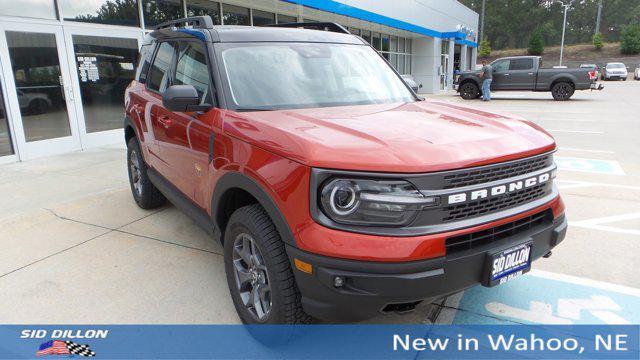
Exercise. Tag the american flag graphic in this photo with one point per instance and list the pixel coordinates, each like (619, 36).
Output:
(60, 347)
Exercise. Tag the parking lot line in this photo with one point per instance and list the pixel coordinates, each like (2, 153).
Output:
(588, 183)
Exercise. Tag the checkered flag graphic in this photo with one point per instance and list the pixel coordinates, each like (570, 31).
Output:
(77, 349)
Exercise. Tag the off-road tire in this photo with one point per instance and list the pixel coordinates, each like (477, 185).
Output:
(148, 196)
(469, 91)
(286, 306)
(562, 91)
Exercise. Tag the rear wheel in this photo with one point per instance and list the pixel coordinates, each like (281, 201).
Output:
(259, 274)
(469, 91)
(146, 195)
(562, 91)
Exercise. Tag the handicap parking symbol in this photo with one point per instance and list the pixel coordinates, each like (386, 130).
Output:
(538, 298)
(608, 167)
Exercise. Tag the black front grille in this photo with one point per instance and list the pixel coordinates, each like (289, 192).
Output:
(497, 172)
(488, 236)
(489, 205)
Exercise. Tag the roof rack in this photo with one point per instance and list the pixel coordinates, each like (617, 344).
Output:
(326, 26)
(198, 22)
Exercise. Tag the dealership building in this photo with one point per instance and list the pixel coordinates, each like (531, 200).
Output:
(64, 64)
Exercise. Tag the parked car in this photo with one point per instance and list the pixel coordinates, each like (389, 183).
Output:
(616, 70)
(335, 191)
(525, 73)
(592, 66)
(636, 74)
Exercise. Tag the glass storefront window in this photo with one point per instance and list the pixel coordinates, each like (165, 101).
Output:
(204, 7)
(235, 15)
(408, 47)
(284, 19)
(42, 9)
(401, 61)
(103, 92)
(385, 42)
(394, 61)
(366, 35)
(354, 31)
(123, 12)
(376, 41)
(401, 44)
(263, 18)
(156, 12)
(394, 44)
(36, 71)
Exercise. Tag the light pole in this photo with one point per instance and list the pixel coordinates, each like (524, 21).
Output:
(598, 17)
(482, 23)
(564, 26)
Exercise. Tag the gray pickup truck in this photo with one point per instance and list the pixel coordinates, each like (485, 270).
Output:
(525, 73)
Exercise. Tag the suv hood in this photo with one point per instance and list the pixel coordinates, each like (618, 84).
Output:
(403, 137)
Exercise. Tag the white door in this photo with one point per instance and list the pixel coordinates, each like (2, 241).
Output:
(39, 94)
(102, 64)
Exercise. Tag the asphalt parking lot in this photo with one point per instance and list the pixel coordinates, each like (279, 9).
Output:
(76, 249)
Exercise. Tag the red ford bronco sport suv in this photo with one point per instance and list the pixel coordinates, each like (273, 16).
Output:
(337, 193)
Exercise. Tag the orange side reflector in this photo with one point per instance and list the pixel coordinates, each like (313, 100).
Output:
(303, 266)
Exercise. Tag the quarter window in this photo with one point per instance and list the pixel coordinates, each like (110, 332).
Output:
(521, 64)
(192, 69)
(159, 73)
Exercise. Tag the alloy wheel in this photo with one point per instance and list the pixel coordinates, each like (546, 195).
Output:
(136, 174)
(252, 279)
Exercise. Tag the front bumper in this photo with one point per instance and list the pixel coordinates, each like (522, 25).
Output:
(371, 286)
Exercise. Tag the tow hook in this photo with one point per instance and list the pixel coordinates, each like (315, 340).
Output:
(547, 255)
(600, 87)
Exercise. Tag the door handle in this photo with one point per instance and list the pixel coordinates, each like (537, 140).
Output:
(507, 74)
(530, 73)
(165, 121)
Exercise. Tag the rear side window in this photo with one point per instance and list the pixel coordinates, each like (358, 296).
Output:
(521, 64)
(192, 69)
(159, 74)
(143, 65)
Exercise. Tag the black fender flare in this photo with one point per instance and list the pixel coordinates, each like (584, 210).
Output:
(241, 181)
(129, 123)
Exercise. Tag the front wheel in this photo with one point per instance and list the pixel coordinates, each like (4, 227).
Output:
(259, 274)
(469, 91)
(562, 91)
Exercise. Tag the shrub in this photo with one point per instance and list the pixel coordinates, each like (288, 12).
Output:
(536, 43)
(597, 41)
(630, 39)
(485, 48)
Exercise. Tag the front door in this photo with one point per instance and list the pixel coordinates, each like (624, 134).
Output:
(102, 64)
(501, 75)
(39, 93)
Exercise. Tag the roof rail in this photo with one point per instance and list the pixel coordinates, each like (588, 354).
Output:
(198, 22)
(326, 26)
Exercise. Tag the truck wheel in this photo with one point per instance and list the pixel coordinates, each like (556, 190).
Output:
(146, 195)
(259, 275)
(469, 91)
(562, 91)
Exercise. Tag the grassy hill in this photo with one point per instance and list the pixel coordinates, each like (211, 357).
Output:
(574, 55)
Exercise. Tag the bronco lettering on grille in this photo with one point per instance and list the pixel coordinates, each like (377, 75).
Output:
(498, 190)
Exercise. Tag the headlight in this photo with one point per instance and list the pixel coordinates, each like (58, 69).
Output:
(372, 202)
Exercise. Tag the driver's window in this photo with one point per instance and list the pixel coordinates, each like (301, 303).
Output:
(501, 66)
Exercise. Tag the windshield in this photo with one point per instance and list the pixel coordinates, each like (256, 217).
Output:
(615, 66)
(271, 76)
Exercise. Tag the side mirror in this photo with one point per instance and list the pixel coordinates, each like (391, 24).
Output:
(182, 98)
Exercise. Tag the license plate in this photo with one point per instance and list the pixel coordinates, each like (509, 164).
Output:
(507, 264)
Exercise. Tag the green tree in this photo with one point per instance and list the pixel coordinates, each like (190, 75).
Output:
(485, 48)
(630, 39)
(597, 41)
(536, 43)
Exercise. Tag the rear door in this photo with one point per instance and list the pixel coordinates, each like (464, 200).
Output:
(522, 75)
(501, 75)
